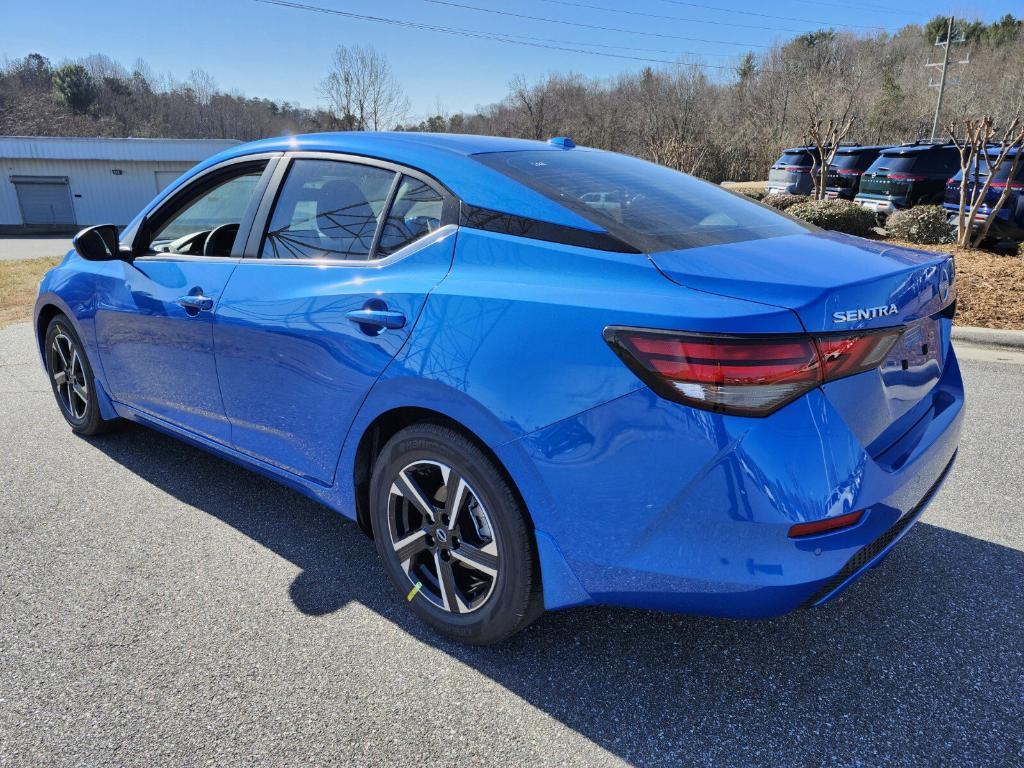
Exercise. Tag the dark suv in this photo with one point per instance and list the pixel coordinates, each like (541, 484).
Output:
(908, 175)
(1009, 221)
(791, 173)
(846, 168)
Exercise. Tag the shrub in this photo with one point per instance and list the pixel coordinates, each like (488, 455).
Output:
(839, 215)
(784, 200)
(927, 224)
(753, 193)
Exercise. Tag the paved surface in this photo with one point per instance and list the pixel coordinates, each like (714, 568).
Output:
(161, 606)
(33, 246)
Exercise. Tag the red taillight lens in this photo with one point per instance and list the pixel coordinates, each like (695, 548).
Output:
(744, 375)
(826, 525)
(906, 177)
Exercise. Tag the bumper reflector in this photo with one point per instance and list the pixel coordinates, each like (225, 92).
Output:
(827, 525)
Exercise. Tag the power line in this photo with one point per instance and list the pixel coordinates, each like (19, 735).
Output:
(862, 6)
(492, 36)
(592, 26)
(759, 27)
(768, 15)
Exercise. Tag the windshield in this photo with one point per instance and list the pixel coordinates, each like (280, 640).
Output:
(648, 206)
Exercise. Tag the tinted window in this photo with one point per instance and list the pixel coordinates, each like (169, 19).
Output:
(415, 212)
(327, 210)
(1002, 172)
(938, 161)
(223, 204)
(800, 157)
(900, 163)
(648, 206)
(853, 160)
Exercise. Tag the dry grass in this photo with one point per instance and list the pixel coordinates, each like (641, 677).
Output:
(19, 282)
(990, 288)
(745, 186)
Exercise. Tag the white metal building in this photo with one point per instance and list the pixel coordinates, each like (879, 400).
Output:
(68, 183)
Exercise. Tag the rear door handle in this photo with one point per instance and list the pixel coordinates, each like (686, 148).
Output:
(197, 303)
(377, 318)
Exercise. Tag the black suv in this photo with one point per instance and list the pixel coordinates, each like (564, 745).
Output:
(846, 168)
(908, 175)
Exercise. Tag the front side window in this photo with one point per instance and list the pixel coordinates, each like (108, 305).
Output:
(648, 206)
(327, 209)
(208, 223)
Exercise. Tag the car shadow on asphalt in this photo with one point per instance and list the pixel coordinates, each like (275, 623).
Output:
(919, 662)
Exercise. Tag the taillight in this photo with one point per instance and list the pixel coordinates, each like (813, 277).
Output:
(744, 375)
(1012, 184)
(826, 525)
(906, 177)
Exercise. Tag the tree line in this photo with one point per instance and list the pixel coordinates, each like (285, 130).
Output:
(720, 126)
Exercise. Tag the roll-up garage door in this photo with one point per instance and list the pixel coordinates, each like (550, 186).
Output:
(44, 200)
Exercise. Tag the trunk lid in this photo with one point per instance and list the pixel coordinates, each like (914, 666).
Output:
(837, 283)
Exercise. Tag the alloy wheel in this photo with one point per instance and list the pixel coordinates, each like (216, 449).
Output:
(443, 537)
(68, 373)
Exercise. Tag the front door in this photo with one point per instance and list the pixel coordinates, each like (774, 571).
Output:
(154, 317)
(304, 330)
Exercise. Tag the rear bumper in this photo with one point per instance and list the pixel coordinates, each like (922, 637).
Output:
(669, 508)
(882, 205)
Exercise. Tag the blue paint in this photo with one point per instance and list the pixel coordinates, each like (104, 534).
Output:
(635, 500)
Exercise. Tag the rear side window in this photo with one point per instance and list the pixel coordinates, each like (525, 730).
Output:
(415, 212)
(327, 209)
(648, 206)
(942, 161)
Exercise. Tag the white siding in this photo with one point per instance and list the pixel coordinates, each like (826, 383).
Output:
(87, 148)
(98, 195)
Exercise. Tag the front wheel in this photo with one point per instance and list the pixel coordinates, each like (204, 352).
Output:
(71, 378)
(454, 538)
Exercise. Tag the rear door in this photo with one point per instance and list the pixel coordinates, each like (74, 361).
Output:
(329, 290)
(154, 315)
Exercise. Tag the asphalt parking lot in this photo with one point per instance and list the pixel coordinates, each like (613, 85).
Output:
(161, 606)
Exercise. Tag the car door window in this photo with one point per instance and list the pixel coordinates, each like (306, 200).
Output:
(415, 212)
(327, 209)
(206, 224)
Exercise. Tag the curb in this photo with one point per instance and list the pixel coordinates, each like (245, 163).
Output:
(988, 337)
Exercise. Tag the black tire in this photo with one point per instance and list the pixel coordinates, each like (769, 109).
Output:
(493, 607)
(66, 360)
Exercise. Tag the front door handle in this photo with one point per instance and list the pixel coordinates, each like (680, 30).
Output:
(195, 304)
(377, 318)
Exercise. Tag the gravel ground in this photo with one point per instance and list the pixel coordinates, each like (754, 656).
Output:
(161, 606)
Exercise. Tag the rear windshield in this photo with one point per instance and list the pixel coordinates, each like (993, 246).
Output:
(798, 157)
(900, 163)
(845, 161)
(1002, 172)
(647, 206)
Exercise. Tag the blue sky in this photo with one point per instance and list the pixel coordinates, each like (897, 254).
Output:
(283, 53)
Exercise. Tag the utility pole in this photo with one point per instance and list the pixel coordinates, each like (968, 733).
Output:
(943, 67)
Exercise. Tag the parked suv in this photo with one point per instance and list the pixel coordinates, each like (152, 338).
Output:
(792, 172)
(908, 175)
(1009, 221)
(846, 169)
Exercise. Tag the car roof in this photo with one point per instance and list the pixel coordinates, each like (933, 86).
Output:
(446, 157)
(915, 149)
(853, 149)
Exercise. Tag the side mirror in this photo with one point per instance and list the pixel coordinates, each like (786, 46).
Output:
(99, 243)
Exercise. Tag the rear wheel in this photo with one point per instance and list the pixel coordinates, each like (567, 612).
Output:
(71, 378)
(454, 538)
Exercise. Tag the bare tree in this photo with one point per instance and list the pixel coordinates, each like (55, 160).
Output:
(979, 148)
(362, 90)
(826, 140)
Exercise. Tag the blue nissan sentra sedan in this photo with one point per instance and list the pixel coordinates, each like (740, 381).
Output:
(538, 375)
